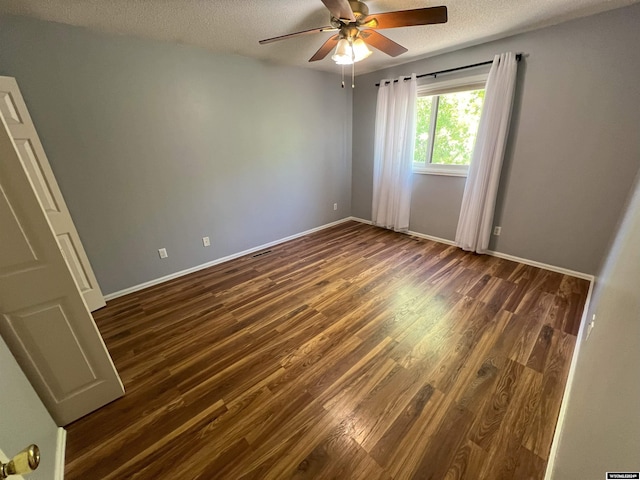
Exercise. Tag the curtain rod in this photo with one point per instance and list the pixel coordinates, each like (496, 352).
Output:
(449, 70)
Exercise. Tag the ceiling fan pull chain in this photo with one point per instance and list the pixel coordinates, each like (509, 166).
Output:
(353, 64)
(342, 76)
(353, 75)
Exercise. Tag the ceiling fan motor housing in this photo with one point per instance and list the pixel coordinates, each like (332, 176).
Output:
(360, 11)
(348, 29)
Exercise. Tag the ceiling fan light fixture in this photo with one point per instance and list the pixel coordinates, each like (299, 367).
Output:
(360, 50)
(344, 53)
(350, 51)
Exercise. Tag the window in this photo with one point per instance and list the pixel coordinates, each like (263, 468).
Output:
(448, 115)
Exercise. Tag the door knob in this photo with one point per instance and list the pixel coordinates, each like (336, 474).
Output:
(24, 462)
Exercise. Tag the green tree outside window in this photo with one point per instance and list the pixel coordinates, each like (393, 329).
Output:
(454, 130)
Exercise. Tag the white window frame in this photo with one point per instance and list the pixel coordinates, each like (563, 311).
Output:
(435, 87)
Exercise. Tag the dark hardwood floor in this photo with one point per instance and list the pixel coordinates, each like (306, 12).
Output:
(351, 353)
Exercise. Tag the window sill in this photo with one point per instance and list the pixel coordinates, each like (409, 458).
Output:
(448, 170)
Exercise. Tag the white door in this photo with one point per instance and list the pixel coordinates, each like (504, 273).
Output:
(25, 137)
(25, 420)
(43, 317)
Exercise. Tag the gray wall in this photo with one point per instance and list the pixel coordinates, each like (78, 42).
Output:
(23, 418)
(573, 151)
(157, 145)
(602, 427)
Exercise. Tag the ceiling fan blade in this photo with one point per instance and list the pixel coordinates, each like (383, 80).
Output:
(409, 18)
(328, 28)
(325, 48)
(382, 43)
(340, 9)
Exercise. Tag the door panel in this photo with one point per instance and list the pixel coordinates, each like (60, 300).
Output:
(11, 233)
(43, 316)
(34, 159)
(8, 109)
(32, 165)
(45, 331)
(77, 269)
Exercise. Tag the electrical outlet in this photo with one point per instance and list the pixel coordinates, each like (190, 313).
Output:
(163, 253)
(497, 231)
(335, 206)
(206, 242)
(590, 326)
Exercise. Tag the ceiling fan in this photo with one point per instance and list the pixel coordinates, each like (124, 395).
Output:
(356, 28)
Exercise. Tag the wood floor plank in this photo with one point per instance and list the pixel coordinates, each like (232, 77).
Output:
(467, 462)
(376, 412)
(542, 427)
(386, 444)
(405, 459)
(439, 455)
(338, 456)
(489, 420)
(352, 353)
(504, 450)
(529, 466)
(540, 352)
(529, 333)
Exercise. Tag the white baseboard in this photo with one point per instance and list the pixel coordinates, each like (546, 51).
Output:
(414, 234)
(555, 443)
(61, 445)
(544, 266)
(505, 256)
(361, 220)
(432, 238)
(218, 261)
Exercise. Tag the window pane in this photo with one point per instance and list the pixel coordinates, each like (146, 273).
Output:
(457, 127)
(422, 128)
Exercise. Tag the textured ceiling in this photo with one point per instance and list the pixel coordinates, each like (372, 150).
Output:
(235, 26)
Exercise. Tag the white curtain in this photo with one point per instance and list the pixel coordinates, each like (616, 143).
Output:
(393, 153)
(478, 202)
